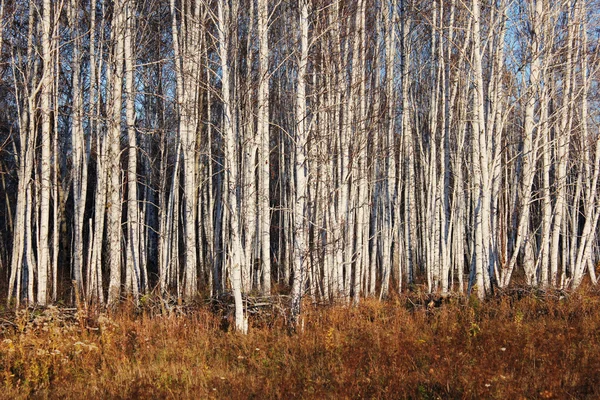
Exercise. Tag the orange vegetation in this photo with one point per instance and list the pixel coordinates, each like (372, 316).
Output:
(519, 345)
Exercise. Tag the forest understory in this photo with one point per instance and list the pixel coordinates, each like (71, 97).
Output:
(521, 343)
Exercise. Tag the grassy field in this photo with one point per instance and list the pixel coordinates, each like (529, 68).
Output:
(519, 345)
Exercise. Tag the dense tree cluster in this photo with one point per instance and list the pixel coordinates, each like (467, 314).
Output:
(336, 148)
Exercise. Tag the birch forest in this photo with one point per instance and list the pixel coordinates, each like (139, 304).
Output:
(332, 150)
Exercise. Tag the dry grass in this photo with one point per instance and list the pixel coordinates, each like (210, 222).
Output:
(508, 348)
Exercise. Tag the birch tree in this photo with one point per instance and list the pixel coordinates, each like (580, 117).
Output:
(300, 168)
(46, 156)
(114, 203)
(264, 139)
(232, 176)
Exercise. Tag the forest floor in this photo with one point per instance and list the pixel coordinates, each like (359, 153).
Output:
(522, 344)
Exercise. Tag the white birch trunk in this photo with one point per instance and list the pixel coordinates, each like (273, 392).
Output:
(409, 189)
(264, 207)
(300, 169)
(236, 255)
(80, 154)
(391, 218)
(529, 153)
(590, 211)
(114, 155)
(132, 267)
(45, 188)
(480, 155)
(562, 151)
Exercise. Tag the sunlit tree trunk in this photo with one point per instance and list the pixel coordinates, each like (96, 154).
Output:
(23, 258)
(232, 176)
(591, 167)
(80, 154)
(46, 139)
(529, 153)
(390, 217)
(481, 181)
(300, 169)
(114, 204)
(133, 278)
(264, 206)
(358, 188)
(562, 153)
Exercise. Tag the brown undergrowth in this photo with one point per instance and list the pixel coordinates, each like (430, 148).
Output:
(516, 345)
